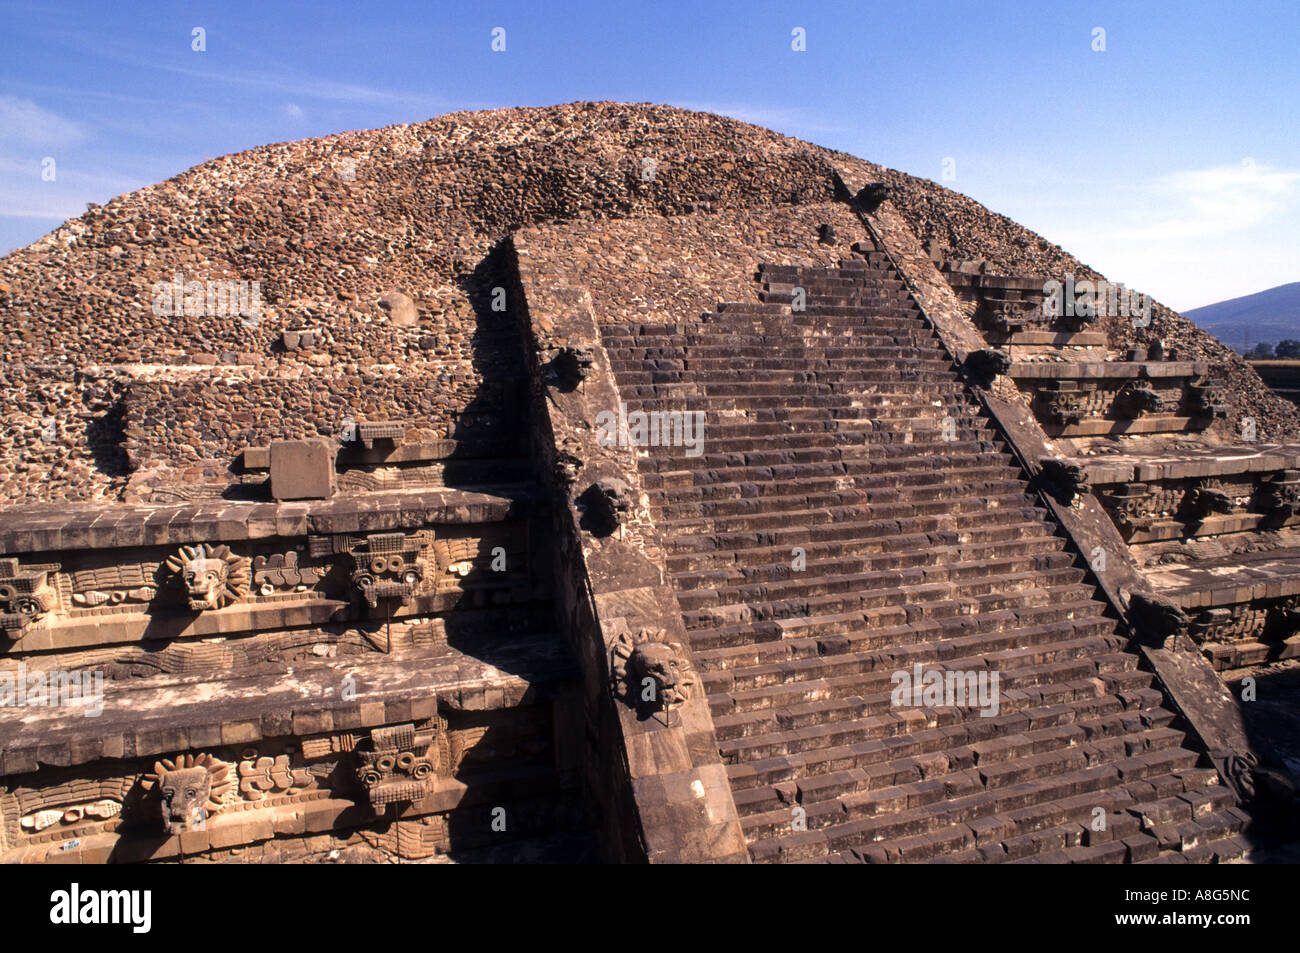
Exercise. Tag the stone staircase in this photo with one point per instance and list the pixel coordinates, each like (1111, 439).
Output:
(851, 515)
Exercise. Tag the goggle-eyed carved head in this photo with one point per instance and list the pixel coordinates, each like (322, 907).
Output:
(398, 769)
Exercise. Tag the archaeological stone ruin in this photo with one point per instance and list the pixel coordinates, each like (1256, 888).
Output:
(618, 483)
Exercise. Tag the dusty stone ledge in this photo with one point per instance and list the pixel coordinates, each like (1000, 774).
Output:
(194, 714)
(32, 529)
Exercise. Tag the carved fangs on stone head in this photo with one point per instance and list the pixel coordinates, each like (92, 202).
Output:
(212, 576)
(650, 672)
(400, 763)
(189, 789)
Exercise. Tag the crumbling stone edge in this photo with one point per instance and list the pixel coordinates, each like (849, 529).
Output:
(653, 780)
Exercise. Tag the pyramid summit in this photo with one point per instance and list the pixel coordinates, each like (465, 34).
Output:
(320, 453)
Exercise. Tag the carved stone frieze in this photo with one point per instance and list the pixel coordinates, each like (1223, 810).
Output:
(1132, 506)
(280, 571)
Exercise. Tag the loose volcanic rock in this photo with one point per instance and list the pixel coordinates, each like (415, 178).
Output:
(150, 332)
(399, 309)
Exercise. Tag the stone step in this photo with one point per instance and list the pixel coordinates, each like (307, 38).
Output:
(920, 486)
(925, 832)
(930, 566)
(1014, 506)
(792, 380)
(881, 504)
(918, 419)
(888, 630)
(668, 487)
(897, 626)
(628, 359)
(1101, 716)
(836, 283)
(917, 582)
(863, 535)
(763, 394)
(756, 345)
(770, 709)
(927, 601)
(818, 689)
(913, 456)
(864, 552)
(843, 795)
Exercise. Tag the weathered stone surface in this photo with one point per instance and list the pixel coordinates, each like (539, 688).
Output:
(695, 637)
(399, 309)
(302, 469)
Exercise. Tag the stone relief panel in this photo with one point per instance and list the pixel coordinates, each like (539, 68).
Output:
(376, 574)
(115, 584)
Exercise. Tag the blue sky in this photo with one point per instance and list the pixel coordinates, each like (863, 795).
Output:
(1170, 161)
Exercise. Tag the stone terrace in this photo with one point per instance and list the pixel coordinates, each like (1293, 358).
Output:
(363, 572)
(818, 438)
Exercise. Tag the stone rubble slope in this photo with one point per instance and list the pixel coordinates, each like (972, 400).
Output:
(99, 388)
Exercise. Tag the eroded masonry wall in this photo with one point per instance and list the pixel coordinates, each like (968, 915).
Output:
(367, 249)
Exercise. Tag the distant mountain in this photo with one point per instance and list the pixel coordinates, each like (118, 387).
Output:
(1271, 315)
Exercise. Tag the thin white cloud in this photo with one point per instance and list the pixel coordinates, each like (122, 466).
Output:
(21, 120)
(1205, 203)
(1190, 237)
(293, 110)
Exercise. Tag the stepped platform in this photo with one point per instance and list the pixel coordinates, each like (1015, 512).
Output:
(852, 515)
(1214, 529)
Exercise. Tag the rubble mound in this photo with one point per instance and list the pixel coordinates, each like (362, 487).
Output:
(372, 257)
